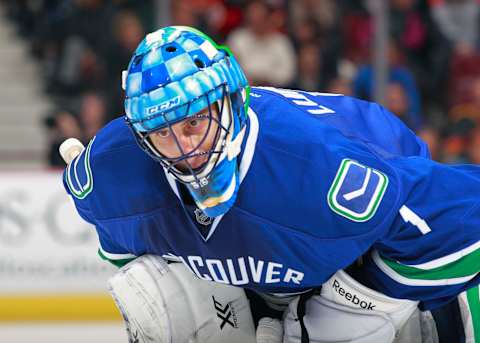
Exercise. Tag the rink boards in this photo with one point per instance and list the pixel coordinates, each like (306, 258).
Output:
(49, 267)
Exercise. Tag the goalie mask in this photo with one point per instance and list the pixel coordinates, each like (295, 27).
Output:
(186, 102)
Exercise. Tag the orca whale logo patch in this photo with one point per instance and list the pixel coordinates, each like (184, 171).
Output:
(357, 191)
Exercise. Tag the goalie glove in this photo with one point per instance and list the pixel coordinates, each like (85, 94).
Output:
(166, 303)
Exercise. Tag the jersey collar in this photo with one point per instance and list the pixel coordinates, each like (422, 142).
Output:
(246, 157)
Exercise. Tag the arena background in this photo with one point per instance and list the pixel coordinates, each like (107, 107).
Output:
(60, 67)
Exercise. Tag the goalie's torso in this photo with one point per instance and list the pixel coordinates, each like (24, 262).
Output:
(311, 200)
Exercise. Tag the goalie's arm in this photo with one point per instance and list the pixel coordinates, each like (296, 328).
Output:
(112, 253)
(70, 150)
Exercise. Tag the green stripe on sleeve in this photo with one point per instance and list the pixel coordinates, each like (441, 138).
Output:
(117, 263)
(463, 267)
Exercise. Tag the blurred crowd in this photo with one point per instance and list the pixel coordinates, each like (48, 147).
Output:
(319, 45)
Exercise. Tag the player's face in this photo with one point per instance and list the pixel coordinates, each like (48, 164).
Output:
(195, 134)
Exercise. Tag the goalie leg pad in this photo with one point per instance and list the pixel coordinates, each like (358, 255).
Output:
(347, 311)
(327, 322)
(166, 303)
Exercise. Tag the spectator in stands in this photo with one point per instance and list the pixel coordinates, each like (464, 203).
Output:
(431, 136)
(183, 13)
(408, 27)
(340, 85)
(317, 22)
(227, 16)
(92, 115)
(308, 75)
(85, 44)
(397, 102)
(81, 34)
(324, 13)
(305, 31)
(61, 125)
(470, 107)
(356, 32)
(267, 56)
(473, 150)
(463, 71)
(364, 84)
(453, 149)
(127, 32)
(456, 143)
(145, 10)
(458, 21)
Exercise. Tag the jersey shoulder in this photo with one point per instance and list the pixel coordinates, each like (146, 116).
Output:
(327, 178)
(113, 177)
(359, 120)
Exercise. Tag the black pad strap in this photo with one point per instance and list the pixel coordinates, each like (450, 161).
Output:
(301, 308)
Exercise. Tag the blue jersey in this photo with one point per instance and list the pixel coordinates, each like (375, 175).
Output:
(324, 178)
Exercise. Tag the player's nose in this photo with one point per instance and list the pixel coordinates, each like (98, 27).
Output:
(185, 140)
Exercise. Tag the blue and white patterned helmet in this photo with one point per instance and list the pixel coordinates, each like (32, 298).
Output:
(175, 73)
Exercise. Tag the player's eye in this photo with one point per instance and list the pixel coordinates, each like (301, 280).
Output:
(194, 122)
(164, 133)
(197, 121)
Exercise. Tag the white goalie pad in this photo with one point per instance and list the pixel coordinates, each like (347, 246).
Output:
(326, 321)
(347, 311)
(166, 303)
